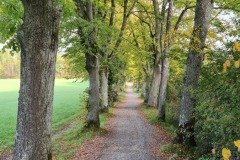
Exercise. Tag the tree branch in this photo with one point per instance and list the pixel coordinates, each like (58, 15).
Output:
(148, 24)
(124, 23)
(181, 16)
(112, 13)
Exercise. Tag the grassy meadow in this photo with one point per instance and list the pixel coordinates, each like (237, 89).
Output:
(66, 106)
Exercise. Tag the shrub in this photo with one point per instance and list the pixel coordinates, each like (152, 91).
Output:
(217, 112)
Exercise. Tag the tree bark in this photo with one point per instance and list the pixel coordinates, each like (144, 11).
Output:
(185, 132)
(38, 37)
(92, 67)
(163, 89)
(153, 94)
(104, 90)
(148, 72)
(165, 66)
(147, 88)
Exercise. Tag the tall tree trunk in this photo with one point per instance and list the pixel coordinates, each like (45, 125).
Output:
(92, 66)
(153, 94)
(185, 132)
(165, 66)
(38, 37)
(104, 90)
(163, 89)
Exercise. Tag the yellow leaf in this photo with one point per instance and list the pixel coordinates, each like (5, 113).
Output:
(213, 151)
(236, 46)
(237, 143)
(228, 63)
(236, 64)
(224, 68)
(226, 153)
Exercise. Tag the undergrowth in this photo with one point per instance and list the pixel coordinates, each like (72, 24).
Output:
(176, 151)
(65, 144)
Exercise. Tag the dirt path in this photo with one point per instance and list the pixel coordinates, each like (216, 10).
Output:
(129, 137)
(130, 134)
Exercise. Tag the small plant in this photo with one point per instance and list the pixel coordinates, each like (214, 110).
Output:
(84, 100)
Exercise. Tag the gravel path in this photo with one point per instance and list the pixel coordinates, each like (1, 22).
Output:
(130, 136)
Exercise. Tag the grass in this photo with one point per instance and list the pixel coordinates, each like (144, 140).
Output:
(65, 144)
(151, 114)
(175, 150)
(66, 106)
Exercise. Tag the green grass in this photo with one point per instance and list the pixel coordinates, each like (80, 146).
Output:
(151, 114)
(65, 144)
(66, 106)
(178, 151)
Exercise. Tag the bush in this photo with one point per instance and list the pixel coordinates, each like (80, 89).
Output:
(217, 112)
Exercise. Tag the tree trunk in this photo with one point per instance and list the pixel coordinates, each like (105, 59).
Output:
(163, 89)
(153, 94)
(38, 37)
(165, 66)
(147, 88)
(92, 66)
(185, 132)
(137, 85)
(104, 90)
(147, 70)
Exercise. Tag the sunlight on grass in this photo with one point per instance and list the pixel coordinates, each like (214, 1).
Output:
(66, 106)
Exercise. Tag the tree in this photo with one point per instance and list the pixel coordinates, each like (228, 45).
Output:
(168, 42)
(185, 132)
(38, 38)
(106, 42)
(153, 94)
(108, 52)
(143, 38)
(88, 38)
(165, 64)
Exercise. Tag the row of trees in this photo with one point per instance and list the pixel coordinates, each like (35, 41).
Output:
(189, 49)
(163, 35)
(9, 66)
(108, 42)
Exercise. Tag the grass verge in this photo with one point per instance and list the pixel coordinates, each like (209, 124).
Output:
(66, 143)
(151, 114)
(176, 151)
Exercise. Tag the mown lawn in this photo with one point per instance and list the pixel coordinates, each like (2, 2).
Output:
(66, 106)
